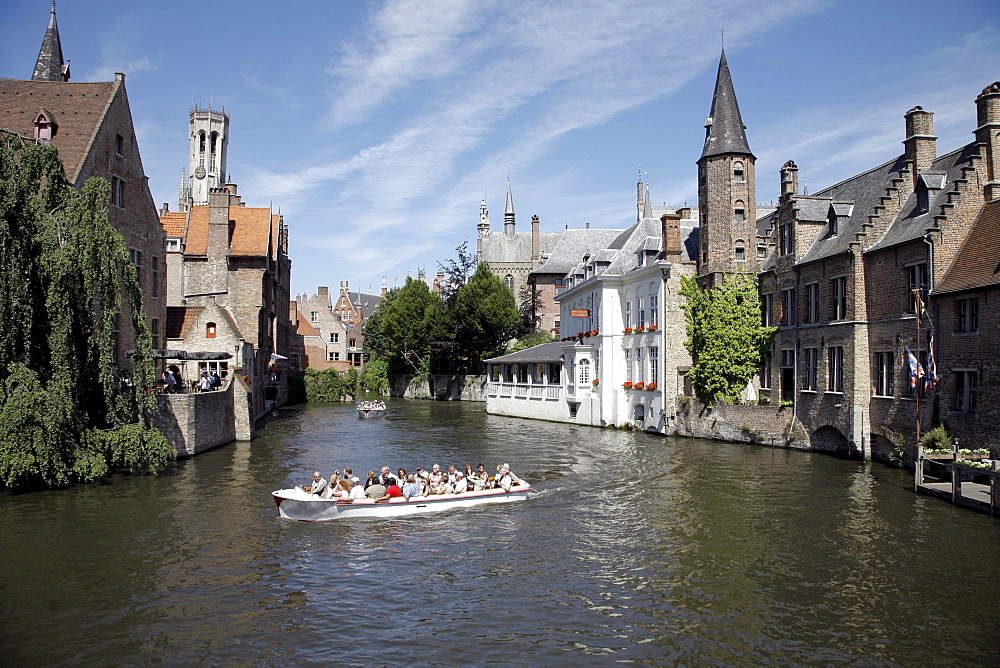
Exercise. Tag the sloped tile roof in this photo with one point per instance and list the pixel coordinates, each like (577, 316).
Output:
(78, 110)
(196, 240)
(252, 231)
(173, 223)
(305, 327)
(977, 263)
(180, 319)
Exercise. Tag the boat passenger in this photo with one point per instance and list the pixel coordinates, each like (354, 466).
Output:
(371, 479)
(349, 475)
(385, 477)
(356, 492)
(460, 485)
(401, 477)
(506, 479)
(391, 492)
(412, 487)
(476, 483)
(319, 484)
(375, 490)
(451, 474)
(436, 475)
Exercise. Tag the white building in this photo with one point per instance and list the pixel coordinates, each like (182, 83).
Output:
(623, 331)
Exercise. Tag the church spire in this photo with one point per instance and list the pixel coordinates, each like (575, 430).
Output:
(50, 65)
(508, 214)
(724, 129)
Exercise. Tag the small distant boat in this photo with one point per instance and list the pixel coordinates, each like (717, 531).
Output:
(371, 410)
(297, 504)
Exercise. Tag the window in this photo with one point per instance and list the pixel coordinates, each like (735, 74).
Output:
(639, 259)
(761, 250)
(835, 368)
(765, 372)
(812, 361)
(118, 192)
(640, 370)
(332, 356)
(654, 358)
(916, 277)
(741, 253)
(910, 390)
(738, 174)
(155, 266)
(884, 373)
(119, 145)
(787, 374)
(314, 316)
(831, 220)
(509, 280)
(785, 239)
(154, 329)
(201, 142)
(839, 293)
(788, 306)
(654, 316)
(968, 315)
(352, 343)
(136, 257)
(584, 371)
(966, 388)
(640, 312)
(767, 310)
(628, 366)
(739, 214)
(812, 302)
(220, 369)
(628, 314)
(560, 285)
(522, 373)
(334, 337)
(555, 373)
(210, 330)
(173, 245)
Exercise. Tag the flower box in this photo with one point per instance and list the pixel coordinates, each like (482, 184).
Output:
(639, 386)
(651, 387)
(627, 330)
(638, 330)
(651, 328)
(626, 386)
(596, 382)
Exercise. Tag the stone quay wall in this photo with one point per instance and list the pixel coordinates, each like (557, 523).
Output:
(440, 387)
(763, 425)
(200, 421)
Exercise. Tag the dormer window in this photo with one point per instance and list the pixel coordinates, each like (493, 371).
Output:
(45, 126)
(833, 223)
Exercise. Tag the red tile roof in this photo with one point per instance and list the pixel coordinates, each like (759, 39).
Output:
(977, 263)
(173, 223)
(180, 319)
(77, 109)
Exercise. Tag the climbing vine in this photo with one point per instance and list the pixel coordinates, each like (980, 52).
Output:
(725, 336)
(68, 410)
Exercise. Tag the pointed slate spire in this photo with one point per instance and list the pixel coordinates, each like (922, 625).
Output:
(724, 129)
(508, 214)
(50, 65)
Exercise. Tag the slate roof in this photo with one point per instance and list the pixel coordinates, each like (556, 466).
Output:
(364, 302)
(977, 263)
(50, 65)
(78, 110)
(725, 132)
(912, 223)
(499, 248)
(545, 352)
(571, 247)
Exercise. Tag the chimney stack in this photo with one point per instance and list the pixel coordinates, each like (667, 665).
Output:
(670, 235)
(920, 142)
(534, 241)
(988, 137)
(789, 181)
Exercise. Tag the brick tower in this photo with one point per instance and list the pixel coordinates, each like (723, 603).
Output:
(726, 192)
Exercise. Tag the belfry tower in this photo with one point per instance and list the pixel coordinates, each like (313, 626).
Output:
(208, 140)
(726, 191)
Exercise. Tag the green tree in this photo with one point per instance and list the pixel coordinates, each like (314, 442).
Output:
(331, 384)
(375, 375)
(397, 331)
(725, 336)
(68, 411)
(486, 317)
(530, 341)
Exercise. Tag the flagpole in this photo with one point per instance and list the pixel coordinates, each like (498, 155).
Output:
(918, 303)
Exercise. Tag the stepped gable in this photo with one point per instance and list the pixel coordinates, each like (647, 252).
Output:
(977, 263)
(915, 216)
(864, 191)
(80, 109)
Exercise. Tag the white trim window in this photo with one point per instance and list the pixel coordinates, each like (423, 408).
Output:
(835, 369)
(884, 371)
(584, 374)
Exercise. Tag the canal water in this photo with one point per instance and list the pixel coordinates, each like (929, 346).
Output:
(633, 548)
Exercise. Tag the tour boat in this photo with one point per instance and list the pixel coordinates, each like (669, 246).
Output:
(371, 412)
(297, 504)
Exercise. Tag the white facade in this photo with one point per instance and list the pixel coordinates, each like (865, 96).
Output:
(208, 143)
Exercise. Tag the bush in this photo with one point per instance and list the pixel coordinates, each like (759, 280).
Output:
(331, 385)
(936, 439)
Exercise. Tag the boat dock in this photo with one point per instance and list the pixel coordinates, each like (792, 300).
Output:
(956, 480)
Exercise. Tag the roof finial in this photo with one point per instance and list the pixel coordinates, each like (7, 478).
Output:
(723, 36)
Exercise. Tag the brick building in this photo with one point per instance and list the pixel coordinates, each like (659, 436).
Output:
(330, 335)
(91, 126)
(866, 268)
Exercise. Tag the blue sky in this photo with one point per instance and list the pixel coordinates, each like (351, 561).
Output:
(377, 127)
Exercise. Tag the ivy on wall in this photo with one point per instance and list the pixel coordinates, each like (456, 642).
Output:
(68, 411)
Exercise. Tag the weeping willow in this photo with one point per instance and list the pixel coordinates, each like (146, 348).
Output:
(68, 411)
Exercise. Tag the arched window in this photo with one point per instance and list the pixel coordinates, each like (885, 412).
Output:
(509, 280)
(215, 140)
(738, 174)
(210, 330)
(741, 252)
(584, 371)
(201, 142)
(739, 211)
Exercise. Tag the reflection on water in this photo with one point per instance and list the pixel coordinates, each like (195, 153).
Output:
(633, 547)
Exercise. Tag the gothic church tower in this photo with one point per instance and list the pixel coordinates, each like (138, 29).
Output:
(726, 192)
(208, 141)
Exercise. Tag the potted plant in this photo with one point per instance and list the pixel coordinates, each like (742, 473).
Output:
(651, 387)
(627, 385)
(639, 386)
(627, 330)
(638, 330)
(596, 382)
(651, 328)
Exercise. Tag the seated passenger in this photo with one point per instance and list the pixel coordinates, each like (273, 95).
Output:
(460, 485)
(436, 475)
(319, 484)
(506, 479)
(412, 487)
(391, 492)
(371, 479)
(476, 483)
(375, 490)
(356, 492)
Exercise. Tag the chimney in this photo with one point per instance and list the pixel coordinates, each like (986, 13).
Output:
(920, 142)
(384, 289)
(988, 137)
(670, 236)
(534, 240)
(323, 291)
(684, 212)
(165, 209)
(789, 181)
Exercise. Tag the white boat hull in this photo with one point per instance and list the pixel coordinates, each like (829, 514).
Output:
(296, 504)
(371, 412)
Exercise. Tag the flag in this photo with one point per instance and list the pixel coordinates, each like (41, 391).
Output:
(931, 380)
(915, 370)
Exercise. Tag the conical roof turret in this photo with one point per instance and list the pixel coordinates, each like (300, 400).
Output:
(50, 65)
(724, 129)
